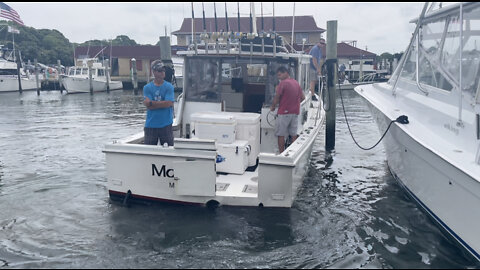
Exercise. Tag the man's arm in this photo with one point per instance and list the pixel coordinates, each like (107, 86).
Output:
(168, 102)
(152, 104)
(275, 102)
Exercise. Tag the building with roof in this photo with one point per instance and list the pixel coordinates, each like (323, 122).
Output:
(121, 59)
(351, 57)
(305, 28)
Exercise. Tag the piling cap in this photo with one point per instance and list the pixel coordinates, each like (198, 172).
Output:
(158, 65)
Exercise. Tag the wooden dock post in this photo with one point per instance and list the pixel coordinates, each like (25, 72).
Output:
(36, 75)
(19, 76)
(331, 61)
(107, 73)
(59, 70)
(134, 75)
(90, 64)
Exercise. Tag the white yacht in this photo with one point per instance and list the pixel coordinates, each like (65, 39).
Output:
(436, 156)
(225, 151)
(77, 78)
(9, 75)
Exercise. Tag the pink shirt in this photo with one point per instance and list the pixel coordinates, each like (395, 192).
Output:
(290, 96)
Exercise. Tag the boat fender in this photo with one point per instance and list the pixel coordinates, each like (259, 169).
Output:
(249, 149)
(236, 150)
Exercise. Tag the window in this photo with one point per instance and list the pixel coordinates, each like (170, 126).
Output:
(84, 71)
(471, 51)
(197, 38)
(138, 64)
(203, 80)
(115, 68)
(430, 70)
(101, 72)
(299, 38)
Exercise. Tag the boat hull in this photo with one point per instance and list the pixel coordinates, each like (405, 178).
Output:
(11, 84)
(445, 192)
(81, 85)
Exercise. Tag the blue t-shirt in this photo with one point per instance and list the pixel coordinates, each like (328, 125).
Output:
(159, 118)
(317, 53)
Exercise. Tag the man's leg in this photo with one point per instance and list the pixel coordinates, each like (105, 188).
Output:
(312, 87)
(166, 135)
(150, 136)
(281, 144)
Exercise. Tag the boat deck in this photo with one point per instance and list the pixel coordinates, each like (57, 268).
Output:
(233, 185)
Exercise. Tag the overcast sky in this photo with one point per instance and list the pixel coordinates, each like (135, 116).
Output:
(381, 27)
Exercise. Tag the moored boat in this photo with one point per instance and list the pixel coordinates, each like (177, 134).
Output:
(436, 156)
(225, 151)
(77, 80)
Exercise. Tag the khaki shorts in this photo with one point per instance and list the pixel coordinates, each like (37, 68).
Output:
(312, 75)
(286, 124)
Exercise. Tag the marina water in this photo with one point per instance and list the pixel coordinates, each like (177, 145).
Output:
(55, 211)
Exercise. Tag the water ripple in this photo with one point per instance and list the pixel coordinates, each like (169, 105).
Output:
(56, 212)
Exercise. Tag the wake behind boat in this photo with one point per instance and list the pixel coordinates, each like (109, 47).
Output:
(436, 157)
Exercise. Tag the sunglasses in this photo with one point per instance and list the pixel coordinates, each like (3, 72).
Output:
(159, 69)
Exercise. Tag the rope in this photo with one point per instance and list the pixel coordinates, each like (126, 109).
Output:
(403, 119)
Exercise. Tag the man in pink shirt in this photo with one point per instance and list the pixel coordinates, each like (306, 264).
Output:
(288, 95)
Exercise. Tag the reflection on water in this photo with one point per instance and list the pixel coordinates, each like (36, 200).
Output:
(56, 211)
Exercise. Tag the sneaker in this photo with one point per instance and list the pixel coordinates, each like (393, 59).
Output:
(314, 98)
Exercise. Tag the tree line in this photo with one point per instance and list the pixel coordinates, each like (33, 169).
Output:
(48, 46)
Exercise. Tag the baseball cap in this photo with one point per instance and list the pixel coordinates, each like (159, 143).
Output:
(158, 66)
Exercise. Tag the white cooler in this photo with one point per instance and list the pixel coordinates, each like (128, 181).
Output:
(232, 157)
(248, 129)
(219, 127)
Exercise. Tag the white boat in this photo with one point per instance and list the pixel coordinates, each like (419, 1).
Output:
(225, 150)
(365, 79)
(77, 79)
(9, 77)
(436, 157)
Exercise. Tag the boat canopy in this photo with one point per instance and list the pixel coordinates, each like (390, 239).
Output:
(445, 52)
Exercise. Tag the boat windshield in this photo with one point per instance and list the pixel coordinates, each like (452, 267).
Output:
(253, 80)
(439, 49)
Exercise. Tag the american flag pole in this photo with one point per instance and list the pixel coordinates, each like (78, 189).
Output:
(9, 13)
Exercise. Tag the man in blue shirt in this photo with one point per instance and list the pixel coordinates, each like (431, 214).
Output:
(315, 66)
(158, 98)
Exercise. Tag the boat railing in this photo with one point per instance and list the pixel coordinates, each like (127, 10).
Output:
(238, 47)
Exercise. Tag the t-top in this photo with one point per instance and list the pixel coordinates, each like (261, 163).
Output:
(290, 96)
(162, 117)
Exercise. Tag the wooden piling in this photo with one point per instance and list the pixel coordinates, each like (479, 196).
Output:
(134, 75)
(36, 76)
(90, 77)
(331, 59)
(107, 74)
(59, 70)
(19, 76)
